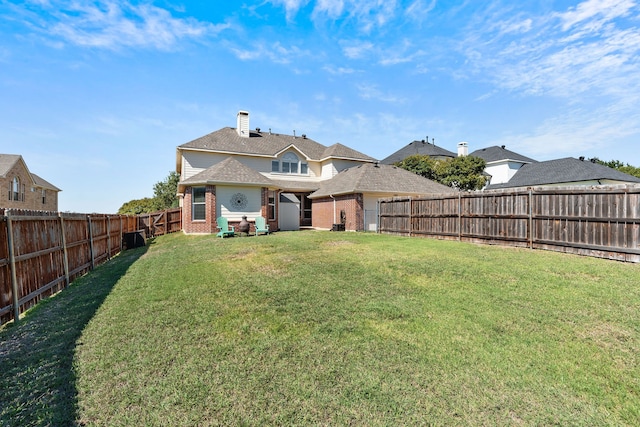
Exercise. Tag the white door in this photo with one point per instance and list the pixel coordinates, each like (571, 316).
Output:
(289, 212)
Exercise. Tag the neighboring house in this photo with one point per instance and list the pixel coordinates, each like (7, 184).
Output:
(21, 189)
(565, 172)
(502, 164)
(351, 197)
(422, 148)
(236, 172)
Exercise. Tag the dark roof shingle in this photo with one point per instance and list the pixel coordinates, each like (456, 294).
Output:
(417, 147)
(561, 171)
(379, 178)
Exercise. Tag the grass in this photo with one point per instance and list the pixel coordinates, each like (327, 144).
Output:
(332, 328)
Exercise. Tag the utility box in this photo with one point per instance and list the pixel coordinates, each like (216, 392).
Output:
(135, 239)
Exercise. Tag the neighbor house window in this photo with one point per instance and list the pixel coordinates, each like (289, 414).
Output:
(271, 207)
(15, 192)
(44, 196)
(290, 164)
(198, 205)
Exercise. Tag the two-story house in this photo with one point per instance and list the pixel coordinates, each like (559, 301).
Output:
(21, 189)
(236, 172)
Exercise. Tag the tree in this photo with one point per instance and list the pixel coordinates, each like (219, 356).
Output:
(462, 173)
(165, 192)
(164, 197)
(420, 164)
(138, 206)
(618, 165)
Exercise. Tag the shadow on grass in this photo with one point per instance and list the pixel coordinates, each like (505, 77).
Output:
(37, 376)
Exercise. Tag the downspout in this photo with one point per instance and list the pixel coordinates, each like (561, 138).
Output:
(334, 208)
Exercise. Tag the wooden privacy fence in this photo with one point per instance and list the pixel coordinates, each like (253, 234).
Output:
(600, 221)
(42, 252)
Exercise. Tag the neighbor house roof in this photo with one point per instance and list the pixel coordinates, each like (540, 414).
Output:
(228, 171)
(496, 154)
(378, 178)
(417, 147)
(8, 161)
(561, 171)
(227, 140)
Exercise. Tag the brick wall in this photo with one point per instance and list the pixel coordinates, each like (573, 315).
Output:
(352, 204)
(206, 226)
(32, 199)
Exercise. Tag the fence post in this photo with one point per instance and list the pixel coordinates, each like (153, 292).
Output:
(530, 218)
(12, 266)
(459, 216)
(91, 250)
(108, 237)
(121, 233)
(65, 255)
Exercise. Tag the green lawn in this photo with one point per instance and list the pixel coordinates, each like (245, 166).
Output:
(323, 328)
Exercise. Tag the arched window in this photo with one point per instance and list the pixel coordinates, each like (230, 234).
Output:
(290, 164)
(15, 189)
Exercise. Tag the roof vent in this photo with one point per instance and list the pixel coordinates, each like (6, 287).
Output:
(581, 158)
(304, 136)
(503, 146)
(243, 124)
(258, 130)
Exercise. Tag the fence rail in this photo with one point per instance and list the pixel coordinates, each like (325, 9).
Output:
(601, 221)
(42, 252)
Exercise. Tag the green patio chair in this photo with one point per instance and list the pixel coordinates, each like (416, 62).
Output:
(261, 225)
(225, 230)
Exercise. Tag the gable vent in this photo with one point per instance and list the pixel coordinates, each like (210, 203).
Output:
(243, 124)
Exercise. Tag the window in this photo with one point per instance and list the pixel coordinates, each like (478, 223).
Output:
(198, 205)
(44, 196)
(290, 164)
(271, 208)
(16, 191)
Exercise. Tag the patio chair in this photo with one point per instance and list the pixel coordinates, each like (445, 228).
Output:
(225, 230)
(261, 225)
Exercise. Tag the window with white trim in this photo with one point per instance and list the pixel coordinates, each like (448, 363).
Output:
(198, 203)
(290, 164)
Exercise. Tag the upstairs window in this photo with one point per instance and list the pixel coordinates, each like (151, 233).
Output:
(290, 164)
(16, 191)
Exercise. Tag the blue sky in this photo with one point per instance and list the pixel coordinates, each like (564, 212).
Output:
(96, 96)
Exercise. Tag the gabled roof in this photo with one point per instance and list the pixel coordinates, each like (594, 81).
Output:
(40, 182)
(227, 140)
(378, 178)
(417, 147)
(8, 161)
(496, 154)
(228, 171)
(561, 171)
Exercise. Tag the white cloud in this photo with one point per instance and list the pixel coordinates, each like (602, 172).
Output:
(357, 50)
(339, 70)
(597, 11)
(113, 24)
(274, 52)
(371, 92)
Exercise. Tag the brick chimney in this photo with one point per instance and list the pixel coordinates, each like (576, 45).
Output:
(243, 124)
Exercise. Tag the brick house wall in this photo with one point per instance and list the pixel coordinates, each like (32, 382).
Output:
(33, 200)
(352, 204)
(209, 224)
